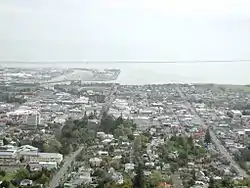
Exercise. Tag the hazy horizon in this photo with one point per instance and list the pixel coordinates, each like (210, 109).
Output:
(111, 30)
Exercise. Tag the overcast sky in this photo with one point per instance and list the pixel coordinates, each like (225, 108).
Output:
(35, 30)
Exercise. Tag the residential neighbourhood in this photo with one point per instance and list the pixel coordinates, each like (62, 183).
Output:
(82, 133)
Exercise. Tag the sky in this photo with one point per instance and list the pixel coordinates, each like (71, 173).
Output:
(171, 30)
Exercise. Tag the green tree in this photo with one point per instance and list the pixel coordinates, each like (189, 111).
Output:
(68, 129)
(139, 179)
(211, 183)
(43, 179)
(192, 180)
(28, 168)
(5, 141)
(52, 146)
(2, 173)
(137, 144)
(119, 120)
(127, 184)
(107, 124)
(227, 183)
(119, 131)
(22, 173)
(91, 116)
(115, 164)
(5, 184)
(207, 137)
(155, 179)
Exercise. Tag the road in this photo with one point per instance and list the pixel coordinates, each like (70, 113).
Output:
(109, 100)
(63, 170)
(214, 138)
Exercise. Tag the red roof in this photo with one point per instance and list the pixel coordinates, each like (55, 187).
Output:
(165, 184)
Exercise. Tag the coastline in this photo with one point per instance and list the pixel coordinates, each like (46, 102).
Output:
(160, 73)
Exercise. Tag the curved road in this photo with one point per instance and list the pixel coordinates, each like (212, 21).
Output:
(215, 140)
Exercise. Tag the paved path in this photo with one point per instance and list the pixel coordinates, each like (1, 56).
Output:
(63, 170)
(215, 140)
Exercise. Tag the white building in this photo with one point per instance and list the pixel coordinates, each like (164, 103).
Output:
(36, 157)
(27, 148)
(8, 158)
(95, 161)
(49, 165)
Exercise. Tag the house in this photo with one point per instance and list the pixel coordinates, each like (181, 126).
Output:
(26, 182)
(165, 185)
(117, 177)
(95, 161)
(129, 167)
(85, 177)
(49, 165)
(103, 153)
(236, 113)
(35, 167)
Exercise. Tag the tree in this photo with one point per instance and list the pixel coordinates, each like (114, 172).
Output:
(137, 144)
(22, 173)
(127, 184)
(119, 131)
(208, 138)
(39, 144)
(67, 129)
(119, 120)
(35, 176)
(192, 180)
(211, 183)
(52, 146)
(5, 141)
(227, 183)
(28, 168)
(43, 179)
(107, 123)
(139, 179)
(2, 173)
(155, 179)
(115, 164)
(91, 115)
(5, 184)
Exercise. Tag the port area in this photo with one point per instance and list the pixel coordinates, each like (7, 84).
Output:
(106, 74)
(87, 75)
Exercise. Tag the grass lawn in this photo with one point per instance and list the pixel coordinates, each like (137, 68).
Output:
(9, 176)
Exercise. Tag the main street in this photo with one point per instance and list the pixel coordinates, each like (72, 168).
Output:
(214, 138)
(63, 170)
